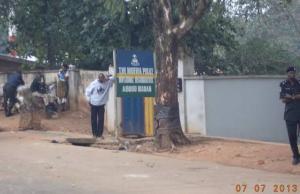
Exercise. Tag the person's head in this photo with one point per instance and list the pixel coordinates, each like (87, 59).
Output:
(39, 75)
(101, 78)
(291, 72)
(65, 66)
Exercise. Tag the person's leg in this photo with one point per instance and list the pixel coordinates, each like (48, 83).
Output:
(61, 94)
(65, 98)
(97, 121)
(5, 102)
(292, 133)
(66, 89)
(94, 119)
(101, 120)
(12, 98)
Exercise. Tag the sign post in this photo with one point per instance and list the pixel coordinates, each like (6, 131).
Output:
(135, 73)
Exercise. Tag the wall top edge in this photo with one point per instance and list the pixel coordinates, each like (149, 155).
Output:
(235, 77)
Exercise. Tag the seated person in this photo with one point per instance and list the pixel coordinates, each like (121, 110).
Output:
(38, 84)
(38, 88)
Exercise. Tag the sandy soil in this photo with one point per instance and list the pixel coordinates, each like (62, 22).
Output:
(254, 155)
(78, 122)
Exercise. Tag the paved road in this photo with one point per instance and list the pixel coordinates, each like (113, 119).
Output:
(30, 164)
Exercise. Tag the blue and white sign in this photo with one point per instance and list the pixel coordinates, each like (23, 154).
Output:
(135, 73)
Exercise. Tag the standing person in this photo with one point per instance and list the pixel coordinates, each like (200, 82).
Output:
(10, 91)
(97, 94)
(63, 85)
(290, 95)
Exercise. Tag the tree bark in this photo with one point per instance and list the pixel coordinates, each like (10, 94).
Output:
(167, 35)
(167, 120)
(168, 127)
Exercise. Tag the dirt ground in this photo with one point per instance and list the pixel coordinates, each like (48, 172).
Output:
(254, 155)
(67, 122)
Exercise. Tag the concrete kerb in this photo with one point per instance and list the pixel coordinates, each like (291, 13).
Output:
(199, 137)
(138, 144)
(108, 142)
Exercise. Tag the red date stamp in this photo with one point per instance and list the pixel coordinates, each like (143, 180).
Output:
(264, 188)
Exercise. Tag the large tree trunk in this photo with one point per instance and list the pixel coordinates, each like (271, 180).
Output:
(167, 120)
(167, 34)
(168, 127)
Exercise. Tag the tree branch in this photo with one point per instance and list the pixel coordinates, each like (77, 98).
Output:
(183, 8)
(167, 10)
(188, 22)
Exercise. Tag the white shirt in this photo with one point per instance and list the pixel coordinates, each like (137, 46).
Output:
(97, 93)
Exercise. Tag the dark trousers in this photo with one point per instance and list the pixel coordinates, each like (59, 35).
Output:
(97, 120)
(9, 95)
(293, 137)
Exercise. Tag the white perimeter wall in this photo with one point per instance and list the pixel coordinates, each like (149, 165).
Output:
(194, 106)
(237, 107)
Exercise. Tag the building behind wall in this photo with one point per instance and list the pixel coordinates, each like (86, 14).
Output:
(10, 64)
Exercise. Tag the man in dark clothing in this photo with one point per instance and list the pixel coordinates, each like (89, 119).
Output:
(38, 84)
(290, 95)
(39, 88)
(10, 91)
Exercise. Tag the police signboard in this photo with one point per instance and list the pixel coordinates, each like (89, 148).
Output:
(135, 73)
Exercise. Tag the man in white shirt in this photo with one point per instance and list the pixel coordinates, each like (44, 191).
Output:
(97, 94)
